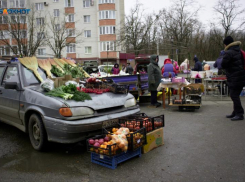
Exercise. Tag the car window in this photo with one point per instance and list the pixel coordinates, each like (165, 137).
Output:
(1, 71)
(30, 78)
(11, 75)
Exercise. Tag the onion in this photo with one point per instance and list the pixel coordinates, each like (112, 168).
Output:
(91, 142)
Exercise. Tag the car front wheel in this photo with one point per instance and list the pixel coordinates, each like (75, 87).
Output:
(37, 133)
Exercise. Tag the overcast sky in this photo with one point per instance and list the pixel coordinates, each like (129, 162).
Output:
(205, 14)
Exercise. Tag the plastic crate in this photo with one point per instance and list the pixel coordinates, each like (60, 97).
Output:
(110, 150)
(112, 162)
(122, 89)
(158, 122)
(136, 138)
(134, 123)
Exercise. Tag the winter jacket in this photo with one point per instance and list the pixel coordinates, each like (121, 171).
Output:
(154, 74)
(129, 69)
(218, 62)
(176, 66)
(168, 69)
(198, 65)
(115, 70)
(232, 63)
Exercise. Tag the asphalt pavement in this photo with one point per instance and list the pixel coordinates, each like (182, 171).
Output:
(200, 146)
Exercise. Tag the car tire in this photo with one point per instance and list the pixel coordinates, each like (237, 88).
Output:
(37, 133)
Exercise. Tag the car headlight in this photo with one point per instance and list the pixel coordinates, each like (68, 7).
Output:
(130, 102)
(76, 111)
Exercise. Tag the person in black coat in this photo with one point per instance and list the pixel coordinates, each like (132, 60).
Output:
(197, 67)
(235, 73)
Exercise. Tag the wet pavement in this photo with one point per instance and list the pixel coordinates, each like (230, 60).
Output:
(199, 146)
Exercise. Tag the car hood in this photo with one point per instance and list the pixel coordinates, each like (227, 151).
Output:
(99, 101)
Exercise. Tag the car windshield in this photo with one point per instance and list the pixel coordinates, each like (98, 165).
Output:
(30, 78)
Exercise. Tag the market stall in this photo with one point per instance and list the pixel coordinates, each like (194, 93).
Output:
(191, 98)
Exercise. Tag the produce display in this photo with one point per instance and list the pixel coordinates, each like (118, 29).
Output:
(68, 70)
(137, 122)
(69, 92)
(135, 138)
(56, 71)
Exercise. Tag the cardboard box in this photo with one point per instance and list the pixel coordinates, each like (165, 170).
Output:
(154, 139)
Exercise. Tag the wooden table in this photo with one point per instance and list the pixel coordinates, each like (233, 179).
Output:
(162, 87)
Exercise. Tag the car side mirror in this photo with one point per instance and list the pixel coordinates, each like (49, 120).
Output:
(11, 85)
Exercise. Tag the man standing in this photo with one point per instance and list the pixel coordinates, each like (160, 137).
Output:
(129, 69)
(154, 79)
(197, 67)
(235, 73)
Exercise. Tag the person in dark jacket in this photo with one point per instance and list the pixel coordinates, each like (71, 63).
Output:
(197, 67)
(218, 62)
(235, 73)
(129, 69)
(221, 71)
(154, 79)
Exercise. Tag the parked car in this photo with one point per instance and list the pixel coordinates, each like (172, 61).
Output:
(24, 105)
(104, 69)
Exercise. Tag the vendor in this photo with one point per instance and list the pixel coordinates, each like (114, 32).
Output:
(154, 79)
(115, 70)
(168, 71)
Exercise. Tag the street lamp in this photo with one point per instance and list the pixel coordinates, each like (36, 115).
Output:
(172, 40)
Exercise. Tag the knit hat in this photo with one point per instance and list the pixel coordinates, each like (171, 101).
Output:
(228, 40)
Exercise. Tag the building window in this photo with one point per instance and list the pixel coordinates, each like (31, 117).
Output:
(15, 49)
(107, 46)
(107, 15)
(4, 35)
(71, 33)
(56, 12)
(88, 50)
(87, 33)
(40, 35)
(107, 30)
(39, 6)
(56, 1)
(106, 1)
(70, 18)
(57, 27)
(86, 3)
(17, 3)
(3, 19)
(40, 21)
(41, 52)
(3, 4)
(71, 48)
(23, 34)
(68, 3)
(4, 51)
(86, 19)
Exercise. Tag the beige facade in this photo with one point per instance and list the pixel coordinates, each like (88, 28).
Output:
(98, 20)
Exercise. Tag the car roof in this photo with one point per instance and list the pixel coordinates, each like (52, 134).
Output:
(8, 63)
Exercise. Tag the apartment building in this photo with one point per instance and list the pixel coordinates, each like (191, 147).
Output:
(98, 20)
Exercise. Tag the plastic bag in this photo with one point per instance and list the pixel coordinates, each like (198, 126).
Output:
(121, 141)
(47, 85)
(72, 82)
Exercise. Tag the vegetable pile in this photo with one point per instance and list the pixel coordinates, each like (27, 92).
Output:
(96, 91)
(69, 92)
(68, 70)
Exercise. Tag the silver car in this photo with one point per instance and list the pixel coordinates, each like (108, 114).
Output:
(24, 105)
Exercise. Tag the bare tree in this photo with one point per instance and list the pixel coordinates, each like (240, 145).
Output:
(179, 23)
(20, 38)
(137, 31)
(229, 12)
(61, 34)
